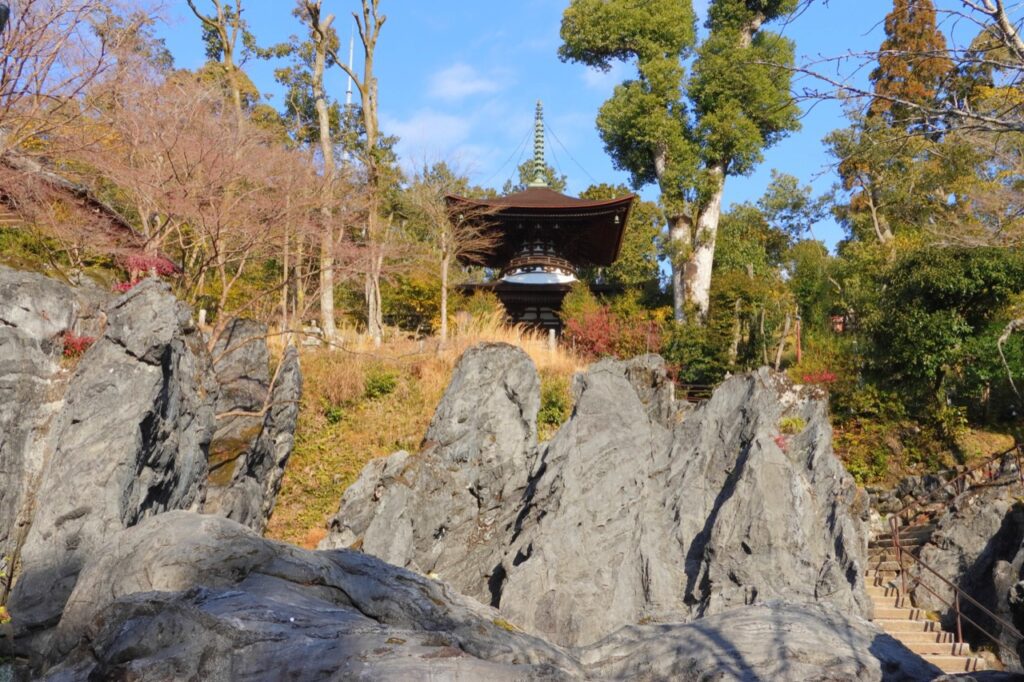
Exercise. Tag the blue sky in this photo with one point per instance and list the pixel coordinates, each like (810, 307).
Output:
(459, 79)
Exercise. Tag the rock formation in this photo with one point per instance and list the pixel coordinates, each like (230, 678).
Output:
(625, 516)
(256, 424)
(185, 596)
(640, 543)
(128, 441)
(93, 444)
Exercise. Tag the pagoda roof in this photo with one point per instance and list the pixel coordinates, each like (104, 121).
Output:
(588, 231)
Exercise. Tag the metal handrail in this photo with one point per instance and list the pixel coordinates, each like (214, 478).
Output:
(957, 592)
(959, 481)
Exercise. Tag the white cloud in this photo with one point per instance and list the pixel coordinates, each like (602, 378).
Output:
(461, 80)
(428, 131)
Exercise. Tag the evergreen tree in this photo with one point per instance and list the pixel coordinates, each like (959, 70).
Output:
(687, 135)
(555, 180)
(912, 64)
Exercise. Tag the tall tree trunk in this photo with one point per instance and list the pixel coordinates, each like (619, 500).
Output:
(285, 274)
(782, 342)
(679, 234)
(737, 332)
(319, 33)
(697, 272)
(444, 298)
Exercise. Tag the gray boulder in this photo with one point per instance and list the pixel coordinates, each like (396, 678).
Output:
(623, 517)
(188, 596)
(253, 441)
(128, 441)
(630, 522)
(450, 508)
(775, 640)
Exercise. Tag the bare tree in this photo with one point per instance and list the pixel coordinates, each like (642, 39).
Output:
(226, 23)
(456, 230)
(324, 41)
(369, 23)
(49, 56)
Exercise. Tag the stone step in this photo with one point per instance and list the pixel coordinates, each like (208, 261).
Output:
(894, 601)
(927, 637)
(956, 664)
(882, 591)
(909, 545)
(939, 648)
(898, 613)
(893, 626)
(880, 577)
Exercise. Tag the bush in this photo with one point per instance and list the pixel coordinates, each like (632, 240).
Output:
(792, 425)
(694, 360)
(379, 383)
(621, 329)
(555, 404)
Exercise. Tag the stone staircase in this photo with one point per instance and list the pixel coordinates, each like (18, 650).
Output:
(895, 614)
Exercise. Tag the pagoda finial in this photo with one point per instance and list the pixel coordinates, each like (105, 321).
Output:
(538, 149)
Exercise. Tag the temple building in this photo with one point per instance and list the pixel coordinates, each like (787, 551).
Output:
(544, 238)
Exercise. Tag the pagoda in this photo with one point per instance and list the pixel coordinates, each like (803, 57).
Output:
(544, 239)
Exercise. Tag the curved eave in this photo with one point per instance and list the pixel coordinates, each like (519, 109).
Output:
(577, 218)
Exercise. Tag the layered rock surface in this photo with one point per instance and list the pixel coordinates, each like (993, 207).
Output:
(625, 516)
(184, 596)
(128, 441)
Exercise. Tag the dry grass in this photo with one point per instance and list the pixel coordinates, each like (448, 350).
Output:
(347, 416)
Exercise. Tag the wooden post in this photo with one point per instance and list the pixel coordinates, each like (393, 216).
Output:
(552, 341)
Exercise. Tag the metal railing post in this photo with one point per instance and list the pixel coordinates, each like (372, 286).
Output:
(959, 626)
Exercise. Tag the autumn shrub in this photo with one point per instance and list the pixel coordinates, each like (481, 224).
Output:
(621, 328)
(75, 345)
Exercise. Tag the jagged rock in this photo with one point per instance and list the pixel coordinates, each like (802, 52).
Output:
(35, 311)
(129, 441)
(718, 514)
(40, 307)
(449, 509)
(187, 596)
(253, 442)
(620, 519)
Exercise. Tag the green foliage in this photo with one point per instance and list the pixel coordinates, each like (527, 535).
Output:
(792, 425)
(935, 301)
(412, 302)
(555, 404)
(556, 181)
(695, 359)
(379, 383)
(637, 265)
